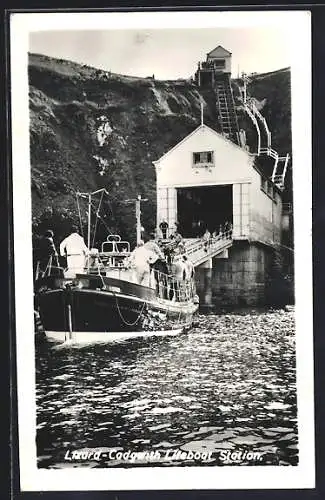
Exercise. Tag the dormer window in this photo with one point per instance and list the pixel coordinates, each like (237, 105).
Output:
(203, 158)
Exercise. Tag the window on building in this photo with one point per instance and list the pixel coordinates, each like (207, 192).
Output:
(263, 184)
(269, 189)
(219, 63)
(203, 157)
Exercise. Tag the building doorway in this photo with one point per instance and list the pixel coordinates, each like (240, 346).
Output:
(199, 208)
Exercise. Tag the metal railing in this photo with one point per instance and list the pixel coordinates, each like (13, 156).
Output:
(171, 288)
(50, 269)
(262, 119)
(200, 247)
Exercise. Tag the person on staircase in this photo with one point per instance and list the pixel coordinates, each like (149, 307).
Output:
(206, 238)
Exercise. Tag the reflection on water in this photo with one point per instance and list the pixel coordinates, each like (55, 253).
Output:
(203, 398)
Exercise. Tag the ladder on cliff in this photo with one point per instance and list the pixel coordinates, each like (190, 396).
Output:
(225, 107)
(198, 251)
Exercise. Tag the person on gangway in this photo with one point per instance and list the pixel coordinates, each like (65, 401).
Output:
(206, 238)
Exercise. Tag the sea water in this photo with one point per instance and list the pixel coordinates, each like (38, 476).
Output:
(222, 394)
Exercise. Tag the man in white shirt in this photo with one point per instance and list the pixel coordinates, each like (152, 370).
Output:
(74, 249)
(139, 260)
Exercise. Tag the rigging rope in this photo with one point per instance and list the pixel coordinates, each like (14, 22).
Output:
(80, 220)
(97, 217)
(102, 220)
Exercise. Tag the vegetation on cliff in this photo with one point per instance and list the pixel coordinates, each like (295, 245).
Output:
(91, 129)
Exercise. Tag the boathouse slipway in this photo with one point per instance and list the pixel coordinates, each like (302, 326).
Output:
(206, 180)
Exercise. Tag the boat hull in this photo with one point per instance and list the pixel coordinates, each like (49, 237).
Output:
(97, 337)
(91, 314)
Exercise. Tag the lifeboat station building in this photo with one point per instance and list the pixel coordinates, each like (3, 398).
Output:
(208, 181)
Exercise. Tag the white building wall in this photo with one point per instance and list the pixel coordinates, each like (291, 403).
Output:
(255, 214)
(220, 53)
(265, 213)
(231, 163)
(231, 166)
(162, 211)
(166, 206)
(241, 210)
(227, 68)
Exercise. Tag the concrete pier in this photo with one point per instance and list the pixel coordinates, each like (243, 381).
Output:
(248, 277)
(206, 301)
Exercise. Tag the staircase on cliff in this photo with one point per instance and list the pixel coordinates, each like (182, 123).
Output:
(215, 74)
(225, 106)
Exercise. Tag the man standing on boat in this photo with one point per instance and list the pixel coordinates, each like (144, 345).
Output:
(152, 246)
(158, 266)
(74, 249)
(139, 261)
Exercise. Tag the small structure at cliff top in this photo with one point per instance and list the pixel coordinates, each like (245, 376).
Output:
(215, 73)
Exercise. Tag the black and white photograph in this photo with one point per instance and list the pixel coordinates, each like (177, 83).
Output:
(162, 226)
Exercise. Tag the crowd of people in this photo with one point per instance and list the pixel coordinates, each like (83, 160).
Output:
(153, 257)
(163, 264)
(73, 250)
(199, 229)
(152, 261)
(71, 255)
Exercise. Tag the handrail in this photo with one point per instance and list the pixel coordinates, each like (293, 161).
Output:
(253, 118)
(171, 288)
(209, 245)
(263, 120)
(114, 245)
(48, 269)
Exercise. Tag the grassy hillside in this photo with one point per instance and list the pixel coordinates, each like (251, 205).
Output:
(91, 129)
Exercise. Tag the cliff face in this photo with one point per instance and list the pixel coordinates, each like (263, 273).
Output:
(91, 129)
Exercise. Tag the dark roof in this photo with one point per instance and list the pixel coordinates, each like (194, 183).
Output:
(223, 50)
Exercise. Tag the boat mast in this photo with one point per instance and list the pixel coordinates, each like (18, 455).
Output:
(89, 221)
(89, 195)
(138, 216)
(89, 228)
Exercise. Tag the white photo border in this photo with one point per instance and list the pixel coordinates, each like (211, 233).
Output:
(298, 24)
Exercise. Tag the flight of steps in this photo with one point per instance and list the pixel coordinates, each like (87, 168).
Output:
(226, 108)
